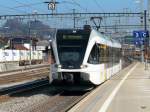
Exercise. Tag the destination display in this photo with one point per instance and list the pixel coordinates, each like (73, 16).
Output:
(72, 37)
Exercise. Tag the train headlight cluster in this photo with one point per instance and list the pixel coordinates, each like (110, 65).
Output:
(83, 66)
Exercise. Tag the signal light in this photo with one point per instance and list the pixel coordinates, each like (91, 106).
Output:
(141, 19)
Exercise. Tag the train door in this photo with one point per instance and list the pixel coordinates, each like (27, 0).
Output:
(95, 69)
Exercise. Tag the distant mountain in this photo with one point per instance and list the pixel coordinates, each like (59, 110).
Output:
(17, 27)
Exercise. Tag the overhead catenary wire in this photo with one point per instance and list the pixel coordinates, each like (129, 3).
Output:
(79, 5)
(22, 5)
(26, 5)
(72, 2)
(99, 6)
(12, 9)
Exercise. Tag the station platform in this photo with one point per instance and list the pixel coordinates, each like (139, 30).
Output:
(127, 91)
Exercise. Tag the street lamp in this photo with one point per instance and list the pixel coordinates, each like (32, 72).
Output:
(50, 48)
(29, 33)
(50, 75)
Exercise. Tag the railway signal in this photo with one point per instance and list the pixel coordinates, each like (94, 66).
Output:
(52, 5)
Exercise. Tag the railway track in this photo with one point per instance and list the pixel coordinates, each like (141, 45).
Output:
(6, 93)
(35, 73)
(60, 102)
(25, 69)
(57, 99)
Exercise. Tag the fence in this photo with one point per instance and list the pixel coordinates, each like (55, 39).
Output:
(19, 55)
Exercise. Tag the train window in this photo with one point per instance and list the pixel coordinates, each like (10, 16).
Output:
(99, 54)
(116, 55)
(110, 57)
(71, 47)
(72, 56)
(119, 54)
(104, 54)
(94, 55)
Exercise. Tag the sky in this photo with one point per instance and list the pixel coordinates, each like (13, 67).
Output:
(8, 7)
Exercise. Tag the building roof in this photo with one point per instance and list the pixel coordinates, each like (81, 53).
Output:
(19, 47)
(43, 43)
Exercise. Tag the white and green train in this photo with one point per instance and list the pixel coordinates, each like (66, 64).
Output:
(83, 55)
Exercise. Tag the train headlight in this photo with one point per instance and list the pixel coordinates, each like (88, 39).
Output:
(58, 66)
(83, 66)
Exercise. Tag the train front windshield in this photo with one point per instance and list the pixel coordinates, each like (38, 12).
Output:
(71, 48)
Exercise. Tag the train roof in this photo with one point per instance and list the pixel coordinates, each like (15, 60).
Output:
(102, 39)
(96, 35)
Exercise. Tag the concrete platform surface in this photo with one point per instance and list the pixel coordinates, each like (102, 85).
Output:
(128, 91)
